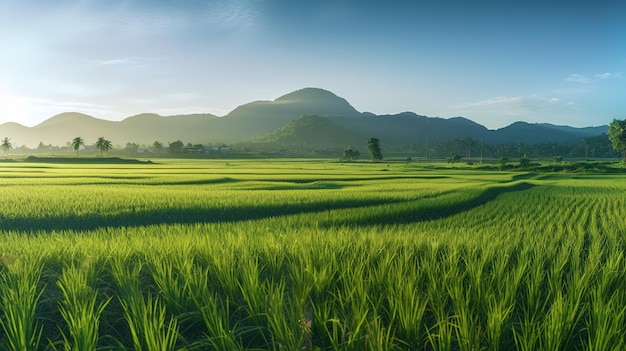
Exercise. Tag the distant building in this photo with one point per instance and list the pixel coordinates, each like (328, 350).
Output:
(195, 149)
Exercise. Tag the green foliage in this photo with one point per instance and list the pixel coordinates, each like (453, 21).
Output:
(77, 143)
(131, 147)
(350, 154)
(176, 147)
(454, 158)
(373, 148)
(617, 135)
(6, 145)
(103, 145)
(502, 162)
(524, 161)
(157, 146)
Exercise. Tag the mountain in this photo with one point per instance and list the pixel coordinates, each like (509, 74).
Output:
(537, 133)
(308, 132)
(587, 132)
(143, 129)
(314, 117)
(260, 117)
(12, 128)
(149, 127)
(62, 128)
(408, 127)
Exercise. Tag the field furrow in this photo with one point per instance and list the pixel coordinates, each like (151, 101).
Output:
(312, 256)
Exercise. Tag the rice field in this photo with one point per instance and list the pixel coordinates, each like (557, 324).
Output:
(309, 255)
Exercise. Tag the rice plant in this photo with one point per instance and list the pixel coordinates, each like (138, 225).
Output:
(19, 297)
(146, 315)
(293, 254)
(80, 307)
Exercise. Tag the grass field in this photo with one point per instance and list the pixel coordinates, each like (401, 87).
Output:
(309, 255)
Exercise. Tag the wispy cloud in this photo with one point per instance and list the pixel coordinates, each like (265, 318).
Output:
(29, 110)
(94, 109)
(234, 14)
(503, 110)
(578, 78)
(607, 75)
(509, 105)
(120, 61)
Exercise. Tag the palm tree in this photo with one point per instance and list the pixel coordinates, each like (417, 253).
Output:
(77, 143)
(6, 145)
(103, 145)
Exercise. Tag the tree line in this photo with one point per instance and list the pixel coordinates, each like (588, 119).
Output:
(103, 145)
(469, 148)
(603, 146)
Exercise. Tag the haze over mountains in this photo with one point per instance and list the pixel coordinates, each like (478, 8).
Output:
(311, 116)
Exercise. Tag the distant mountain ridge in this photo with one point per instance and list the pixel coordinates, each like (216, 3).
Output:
(311, 116)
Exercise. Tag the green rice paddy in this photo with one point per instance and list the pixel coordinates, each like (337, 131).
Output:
(309, 255)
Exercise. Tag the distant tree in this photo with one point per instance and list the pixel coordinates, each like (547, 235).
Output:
(158, 146)
(350, 154)
(524, 161)
(557, 159)
(617, 135)
(77, 143)
(176, 147)
(6, 145)
(132, 147)
(373, 148)
(103, 145)
(502, 161)
(454, 158)
(586, 144)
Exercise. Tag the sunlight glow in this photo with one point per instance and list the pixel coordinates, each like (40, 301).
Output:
(13, 108)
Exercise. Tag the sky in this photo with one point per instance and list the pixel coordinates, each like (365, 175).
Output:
(494, 62)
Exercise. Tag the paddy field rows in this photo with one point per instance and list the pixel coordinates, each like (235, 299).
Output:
(309, 255)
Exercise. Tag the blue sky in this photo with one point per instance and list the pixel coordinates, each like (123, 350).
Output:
(495, 62)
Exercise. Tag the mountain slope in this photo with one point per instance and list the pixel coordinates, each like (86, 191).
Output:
(148, 128)
(281, 120)
(527, 133)
(586, 132)
(309, 132)
(409, 128)
(260, 117)
(62, 128)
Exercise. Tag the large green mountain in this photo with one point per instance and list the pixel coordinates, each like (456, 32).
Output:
(313, 117)
(260, 117)
(307, 133)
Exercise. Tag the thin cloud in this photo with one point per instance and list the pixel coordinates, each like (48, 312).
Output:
(122, 61)
(500, 111)
(607, 75)
(96, 110)
(509, 105)
(578, 78)
(238, 14)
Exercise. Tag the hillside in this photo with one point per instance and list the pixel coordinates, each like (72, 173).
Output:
(260, 117)
(408, 128)
(530, 134)
(279, 123)
(308, 132)
(147, 128)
